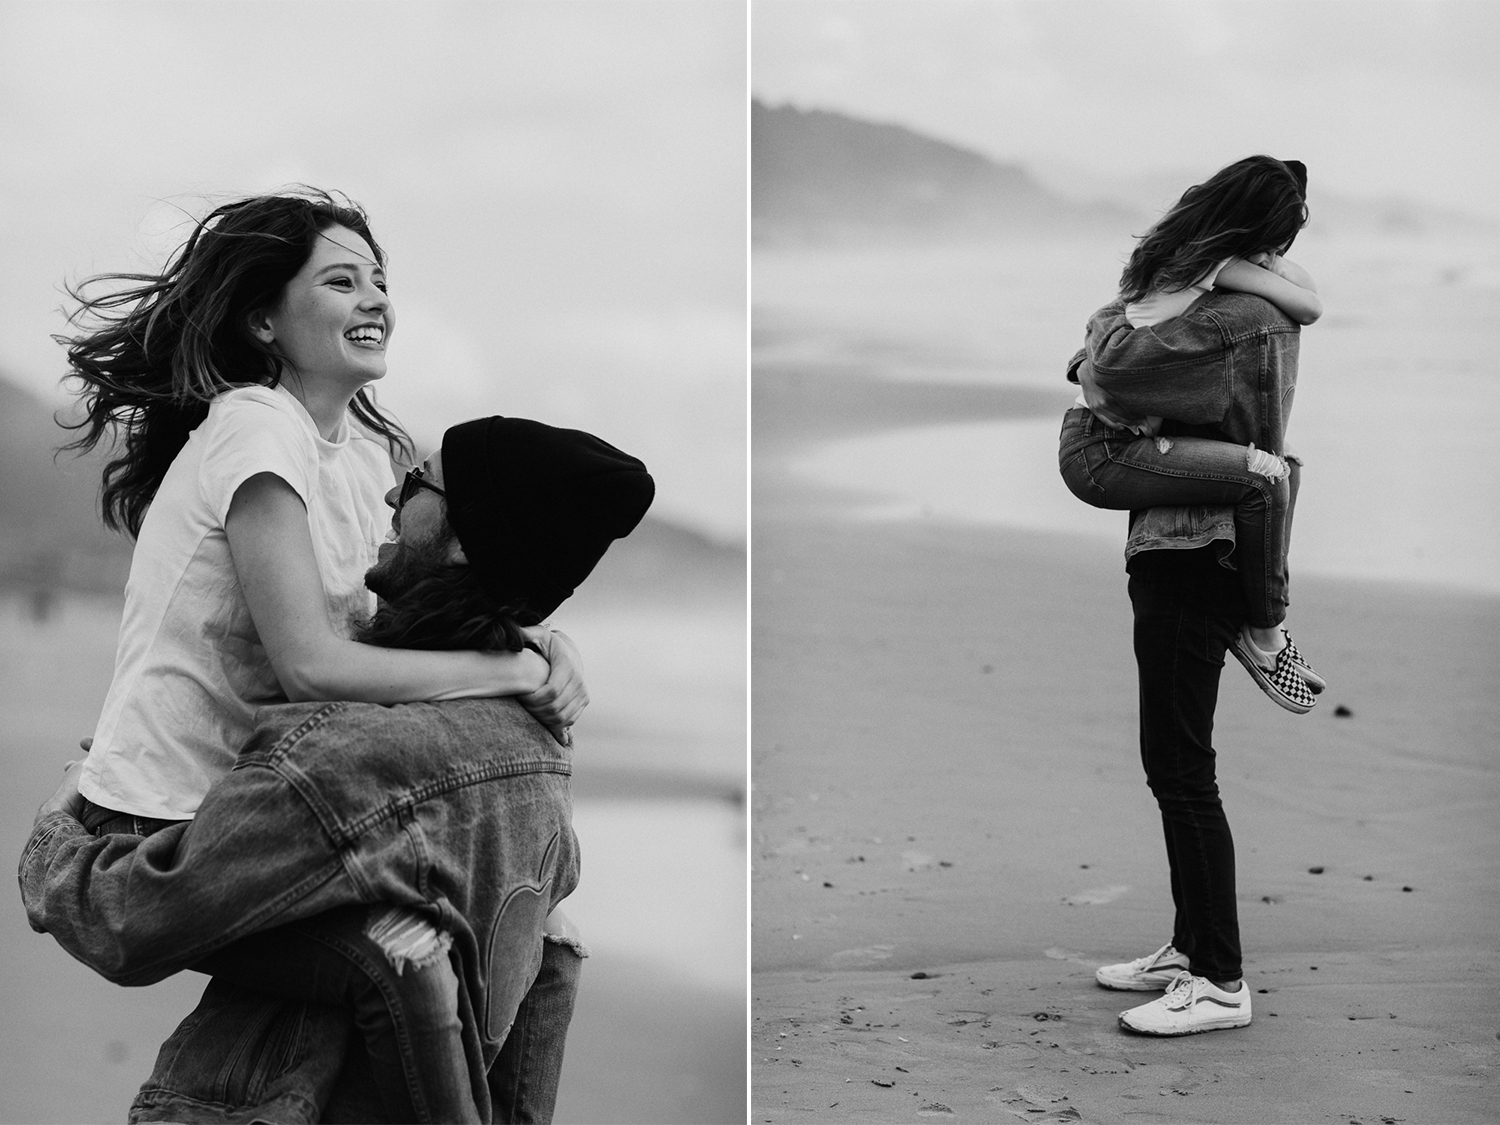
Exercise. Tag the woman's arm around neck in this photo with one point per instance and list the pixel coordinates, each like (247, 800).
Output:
(1298, 301)
(277, 569)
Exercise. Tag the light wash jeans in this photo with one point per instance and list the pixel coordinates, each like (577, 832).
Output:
(459, 811)
(1116, 469)
(243, 1056)
(1225, 372)
(407, 1016)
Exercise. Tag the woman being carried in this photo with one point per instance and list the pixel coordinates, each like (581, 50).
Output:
(251, 467)
(1228, 233)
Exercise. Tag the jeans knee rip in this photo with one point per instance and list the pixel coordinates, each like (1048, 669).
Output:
(407, 938)
(567, 943)
(1268, 465)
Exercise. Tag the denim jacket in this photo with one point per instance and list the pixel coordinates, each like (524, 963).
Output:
(461, 810)
(1226, 369)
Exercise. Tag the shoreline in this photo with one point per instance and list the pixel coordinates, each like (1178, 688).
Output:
(860, 447)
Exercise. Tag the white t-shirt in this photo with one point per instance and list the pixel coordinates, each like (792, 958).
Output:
(1162, 305)
(190, 670)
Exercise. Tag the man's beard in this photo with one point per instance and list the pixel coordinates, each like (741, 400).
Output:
(405, 566)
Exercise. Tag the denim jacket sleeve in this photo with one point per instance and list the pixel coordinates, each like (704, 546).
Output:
(1185, 368)
(115, 902)
(321, 810)
(137, 909)
(1211, 366)
(71, 883)
(1175, 370)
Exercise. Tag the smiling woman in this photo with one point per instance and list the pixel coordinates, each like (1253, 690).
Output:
(331, 325)
(162, 346)
(254, 471)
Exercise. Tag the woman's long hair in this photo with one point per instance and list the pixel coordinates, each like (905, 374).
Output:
(152, 354)
(1255, 204)
(447, 608)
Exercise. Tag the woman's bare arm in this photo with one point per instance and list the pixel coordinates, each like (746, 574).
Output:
(1300, 302)
(273, 557)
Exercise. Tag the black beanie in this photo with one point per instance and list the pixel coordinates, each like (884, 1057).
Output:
(535, 507)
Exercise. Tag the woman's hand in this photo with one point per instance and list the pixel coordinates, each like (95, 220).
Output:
(560, 701)
(66, 798)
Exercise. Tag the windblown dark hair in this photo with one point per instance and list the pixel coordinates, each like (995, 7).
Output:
(445, 609)
(152, 354)
(1255, 204)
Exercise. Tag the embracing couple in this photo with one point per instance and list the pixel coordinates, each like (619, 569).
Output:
(1186, 384)
(354, 814)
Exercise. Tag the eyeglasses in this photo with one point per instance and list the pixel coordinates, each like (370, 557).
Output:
(414, 482)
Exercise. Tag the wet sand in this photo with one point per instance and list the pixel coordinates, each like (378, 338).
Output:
(950, 829)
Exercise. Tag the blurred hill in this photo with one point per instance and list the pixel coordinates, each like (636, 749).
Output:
(666, 562)
(52, 540)
(819, 176)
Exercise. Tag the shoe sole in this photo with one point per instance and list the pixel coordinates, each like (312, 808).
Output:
(1122, 984)
(1258, 674)
(1212, 1025)
(1315, 683)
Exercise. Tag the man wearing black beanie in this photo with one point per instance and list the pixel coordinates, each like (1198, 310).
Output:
(535, 507)
(330, 802)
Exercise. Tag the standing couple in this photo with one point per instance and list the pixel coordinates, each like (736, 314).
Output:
(1186, 383)
(371, 881)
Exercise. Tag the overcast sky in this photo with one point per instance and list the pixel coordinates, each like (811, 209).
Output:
(560, 187)
(1377, 98)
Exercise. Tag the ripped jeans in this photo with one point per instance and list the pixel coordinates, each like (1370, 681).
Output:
(406, 1011)
(1116, 469)
(389, 967)
(461, 810)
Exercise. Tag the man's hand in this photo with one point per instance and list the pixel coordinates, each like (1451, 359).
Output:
(66, 799)
(560, 701)
(1100, 406)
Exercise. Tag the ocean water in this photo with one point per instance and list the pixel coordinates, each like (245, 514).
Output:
(1397, 396)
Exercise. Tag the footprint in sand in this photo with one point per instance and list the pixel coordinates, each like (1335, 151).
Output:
(1040, 1104)
(1096, 896)
(1057, 953)
(859, 958)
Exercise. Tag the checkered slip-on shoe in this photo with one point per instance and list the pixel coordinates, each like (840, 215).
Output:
(1315, 683)
(1282, 681)
(1144, 974)
(1191, 1005)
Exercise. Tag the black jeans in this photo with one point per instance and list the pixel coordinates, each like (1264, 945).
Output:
(1180, 644)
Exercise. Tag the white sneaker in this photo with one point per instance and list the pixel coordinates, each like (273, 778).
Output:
(1191, 1005)
(1145, 974)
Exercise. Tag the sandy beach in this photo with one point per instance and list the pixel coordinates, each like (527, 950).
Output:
(951, 830)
